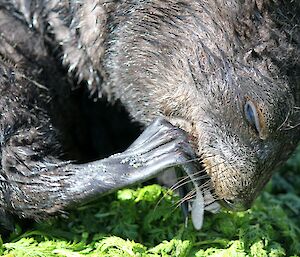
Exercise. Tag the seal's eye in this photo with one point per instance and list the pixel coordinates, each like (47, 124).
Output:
(252, 116)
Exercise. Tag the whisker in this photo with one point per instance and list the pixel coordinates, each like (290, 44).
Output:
(185, 177)
(183, 182)
(292, 127)
(205, 184)
(200, 175)
(285, 120)
(163, 197)
(204, 169)
(189, 196)
(176, 186)
(188, 161)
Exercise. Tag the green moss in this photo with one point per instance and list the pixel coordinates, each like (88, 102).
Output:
(145, 222)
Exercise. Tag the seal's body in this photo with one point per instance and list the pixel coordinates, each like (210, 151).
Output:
(227, 72)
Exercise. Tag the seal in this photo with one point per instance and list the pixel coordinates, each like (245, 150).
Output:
(226, 72)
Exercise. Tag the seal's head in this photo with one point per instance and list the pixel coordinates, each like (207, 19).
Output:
(225, 71)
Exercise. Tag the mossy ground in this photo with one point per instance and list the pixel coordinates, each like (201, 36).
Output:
(138, 222)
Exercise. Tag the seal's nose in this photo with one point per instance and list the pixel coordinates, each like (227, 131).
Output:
(236, 205)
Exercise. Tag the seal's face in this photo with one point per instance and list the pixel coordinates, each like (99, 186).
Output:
(243, 134)
(242, 129)
(227, 75)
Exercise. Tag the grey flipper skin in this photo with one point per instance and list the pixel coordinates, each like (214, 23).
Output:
(159, 147)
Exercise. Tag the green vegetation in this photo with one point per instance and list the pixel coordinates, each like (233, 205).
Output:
(146, 222)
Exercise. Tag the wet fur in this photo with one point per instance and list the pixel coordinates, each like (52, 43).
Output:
(198, 62)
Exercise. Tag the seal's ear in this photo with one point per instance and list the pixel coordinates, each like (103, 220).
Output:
(6, 221)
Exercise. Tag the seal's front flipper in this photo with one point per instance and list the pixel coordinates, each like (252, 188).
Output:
(40, 185)
(159, 147)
